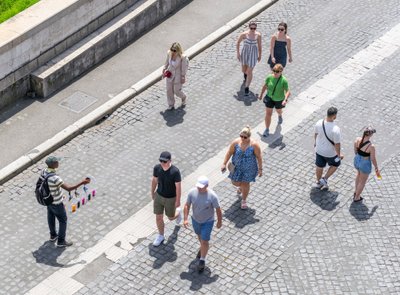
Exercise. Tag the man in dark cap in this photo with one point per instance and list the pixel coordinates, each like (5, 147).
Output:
(57, 209)
(166, 194)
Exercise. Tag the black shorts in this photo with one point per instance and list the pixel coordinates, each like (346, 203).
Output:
(269, 103)
(321, 161)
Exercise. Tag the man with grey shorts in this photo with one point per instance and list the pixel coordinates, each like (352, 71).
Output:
(166, 194)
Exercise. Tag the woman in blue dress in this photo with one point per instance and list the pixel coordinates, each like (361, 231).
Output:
(280, 47)
(247, 163)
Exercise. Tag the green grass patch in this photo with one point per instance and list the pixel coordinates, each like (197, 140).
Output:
(9, 8)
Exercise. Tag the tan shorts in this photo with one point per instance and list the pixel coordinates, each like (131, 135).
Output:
(160, 203)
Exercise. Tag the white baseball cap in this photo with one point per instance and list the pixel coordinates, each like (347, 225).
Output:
(202, 182)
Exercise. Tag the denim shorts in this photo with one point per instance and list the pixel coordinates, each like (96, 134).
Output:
(362, 164)
(321, 161)
(203, 229)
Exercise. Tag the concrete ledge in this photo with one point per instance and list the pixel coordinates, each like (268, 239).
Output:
(43, 31)
(107, 108)
(99, 45)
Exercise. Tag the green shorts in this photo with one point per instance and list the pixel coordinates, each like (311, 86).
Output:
(161, 203)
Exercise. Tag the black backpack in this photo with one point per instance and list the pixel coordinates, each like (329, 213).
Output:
(42, 190)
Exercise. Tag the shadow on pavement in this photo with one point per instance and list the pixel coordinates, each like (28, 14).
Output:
(173, 117)
(360, 211)
(247, 100)
(240, 217)
(198, 279)
(325, 199)
(48, 254)
(274, 140)
(166, 251)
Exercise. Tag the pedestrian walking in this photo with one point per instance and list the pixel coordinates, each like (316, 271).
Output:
(250, 54)
(204, 202)
(56, 210)
(166, 194)
(175, 69)
(245, 165)
(277, 95)
(327, 148)
(280, 47)
(365, 153)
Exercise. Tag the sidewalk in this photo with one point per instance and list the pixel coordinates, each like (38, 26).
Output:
(292, 240)
(30, 117)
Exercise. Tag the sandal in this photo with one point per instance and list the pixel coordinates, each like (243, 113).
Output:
(359, 200)
(243, 205)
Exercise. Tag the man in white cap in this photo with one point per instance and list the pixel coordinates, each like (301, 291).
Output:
(205, 202)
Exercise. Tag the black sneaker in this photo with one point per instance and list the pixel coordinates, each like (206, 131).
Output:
(246, 91)
(64, 244)
(53, 238)
(201, 266)
(198, 255)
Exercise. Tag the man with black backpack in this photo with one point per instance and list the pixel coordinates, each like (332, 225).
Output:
(327, 148)
(48, 193)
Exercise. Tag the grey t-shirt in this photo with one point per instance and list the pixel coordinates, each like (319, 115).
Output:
(203, 204)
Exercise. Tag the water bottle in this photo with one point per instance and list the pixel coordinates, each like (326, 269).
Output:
(73, 206)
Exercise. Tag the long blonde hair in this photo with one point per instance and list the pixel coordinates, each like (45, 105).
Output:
(176, 46)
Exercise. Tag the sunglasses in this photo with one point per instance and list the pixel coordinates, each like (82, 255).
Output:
(244, 137)
(276, 72)
(253, 29)
(173, 50)
(163, 161)
(280, 29)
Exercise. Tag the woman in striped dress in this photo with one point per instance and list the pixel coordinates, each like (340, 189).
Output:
(251, 53)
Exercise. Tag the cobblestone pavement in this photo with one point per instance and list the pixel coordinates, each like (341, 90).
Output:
(292, 239)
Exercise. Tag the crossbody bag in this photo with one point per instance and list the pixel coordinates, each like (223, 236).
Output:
(323, 127)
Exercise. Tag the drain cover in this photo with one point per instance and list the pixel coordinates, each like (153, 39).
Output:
(78, 101)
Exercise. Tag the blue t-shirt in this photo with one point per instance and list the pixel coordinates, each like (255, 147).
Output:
(203, 204)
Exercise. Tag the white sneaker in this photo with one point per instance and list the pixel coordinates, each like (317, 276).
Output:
(324, 184)
(178, 220)
(317, 185)
(159, 239)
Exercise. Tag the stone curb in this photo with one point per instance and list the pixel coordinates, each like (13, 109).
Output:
(110, 106)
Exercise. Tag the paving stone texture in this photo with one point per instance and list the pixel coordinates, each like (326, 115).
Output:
(292, 240)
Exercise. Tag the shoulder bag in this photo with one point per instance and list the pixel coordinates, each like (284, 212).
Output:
(323, 127)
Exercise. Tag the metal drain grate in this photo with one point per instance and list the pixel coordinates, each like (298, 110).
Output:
(77, 102)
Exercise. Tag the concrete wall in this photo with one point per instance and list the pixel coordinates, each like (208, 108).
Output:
(101, 44)
(38, 34)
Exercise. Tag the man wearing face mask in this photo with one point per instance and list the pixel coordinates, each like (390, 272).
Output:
(166, 194)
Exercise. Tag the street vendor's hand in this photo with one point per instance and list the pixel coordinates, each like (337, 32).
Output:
(86, 180)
